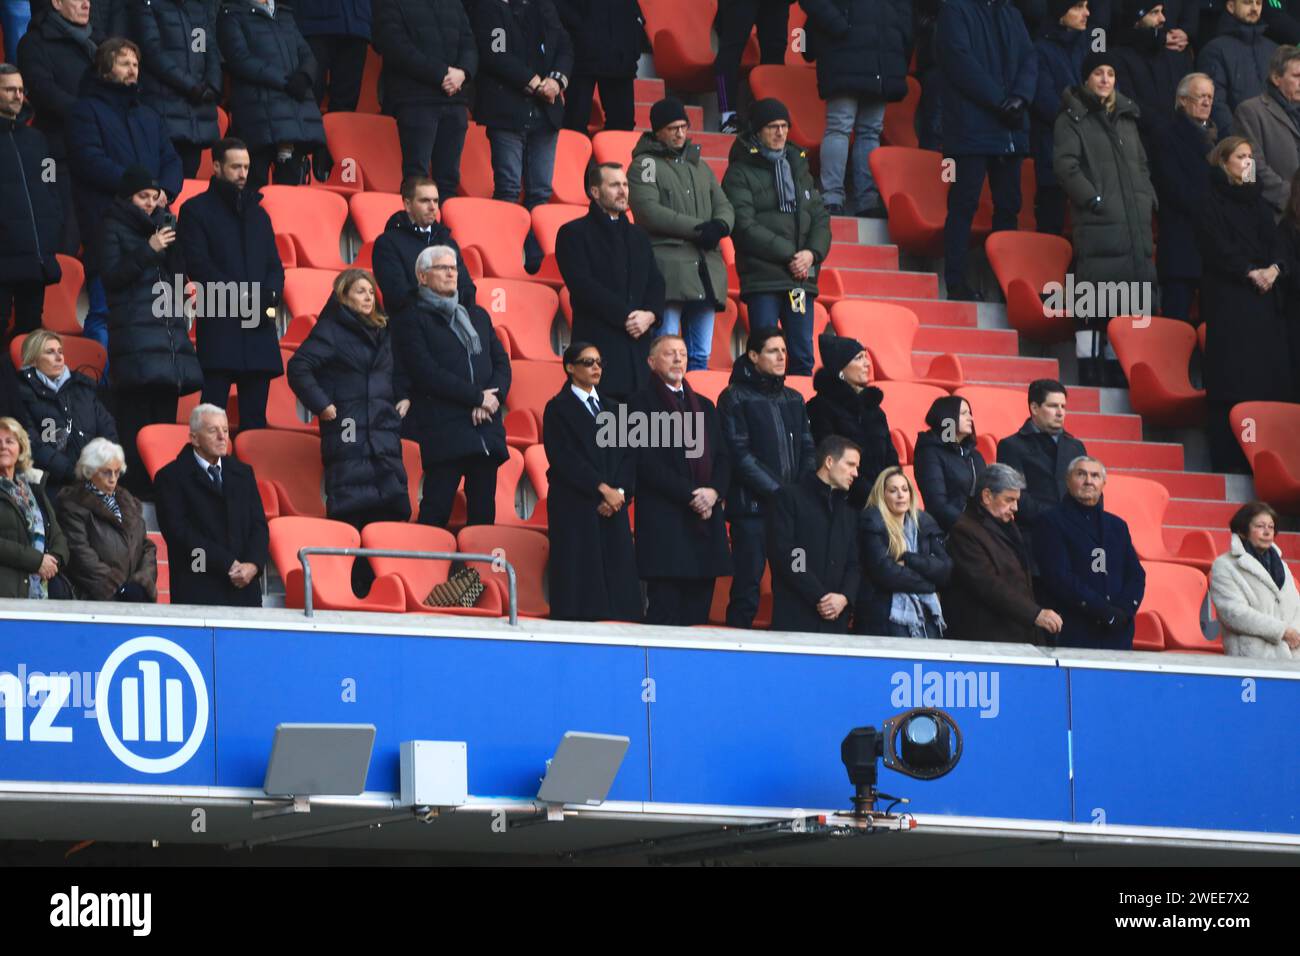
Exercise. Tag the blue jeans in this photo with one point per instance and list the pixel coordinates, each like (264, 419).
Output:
(766, 308)
(96, 326)
(693, 321)
(519, 157)
(14, 17)
(864, 118)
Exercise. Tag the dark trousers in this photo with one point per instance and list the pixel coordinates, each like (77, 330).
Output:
(1003, 174)
(190, 154)
(70, 240)
(929, 111)
(1176, 297)
(433, 136)
(767, 308)
(135, 409)
(363, 575)
(291, 172)
(253, 390)
(680, 602)
(1225, 453)
(27, 300)
(1049, 210)
(736, 18)
(616, 99)
(340, 61)
(749, 558)
(441, 478)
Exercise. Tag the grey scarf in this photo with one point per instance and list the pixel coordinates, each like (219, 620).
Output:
(54, 383)
(74, 32)
(784, 176)
(450, 309)
(911, 610)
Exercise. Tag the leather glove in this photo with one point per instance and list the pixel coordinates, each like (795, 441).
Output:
(1013, 111)
(711, 233)
(299, 86)
(322, 163)
(132, 591)
(1116, 618)
(1094, 204)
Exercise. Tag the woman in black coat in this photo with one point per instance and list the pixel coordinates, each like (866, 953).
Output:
(62, 405)
(593, 572)
(904, 563)
(182, 83)
(846, 405)
(947, 463)
(151, 358)
(1246, 357)
(272, 103)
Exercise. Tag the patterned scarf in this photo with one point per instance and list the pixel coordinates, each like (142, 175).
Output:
(20, 492)
(110, 501)
(911, 610)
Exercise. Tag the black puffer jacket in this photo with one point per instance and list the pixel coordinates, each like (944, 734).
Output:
(31, 216)
(607, 35)
(349, 364)
(52, 63)
(837, 409)
(923, 571)
(862, 47)
(64, 422)
(261, 51)
(946, 473)
(515, 43)
(145, 349)
(170, 67)
(419, 40)
(766, 429)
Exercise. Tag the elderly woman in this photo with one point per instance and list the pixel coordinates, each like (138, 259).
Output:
(947, 462)
(112, 556)
(1253, 591)
(904, 563)
(62, 405)
(32, 546)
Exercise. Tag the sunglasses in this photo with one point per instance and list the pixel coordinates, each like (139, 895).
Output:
(589, 362)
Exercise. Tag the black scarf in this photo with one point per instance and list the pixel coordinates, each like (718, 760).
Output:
(1271, 562)
(1009, 533)
(70, 30)
(1292, 109)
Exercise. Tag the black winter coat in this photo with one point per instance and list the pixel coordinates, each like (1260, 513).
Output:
(862, 47)
(419, 40)
(923, 571)
(19, 560)
(72, 416)
(1060, 53)
(946, 473)
(671, 540)
(592, 571)
(348, 18)
(837, 409)
(110, 130)
(991, 595)
(1181, 176)
(1237, 59)
(11, 399)
(607, 35)
(447, 384)
(145, 349)
(52, 64)
(226, 236)
(31, 215)
(396, 250)
(349, 364)
(516, 42)
(210, 530)
(1246, 353)
(1148, 74)
(108, 18)
(812, 549)
(170, 67)
(609, 267)
(767, 432)
(1283, 21)
(1086, 592)
(261, 52)
(1044, 464)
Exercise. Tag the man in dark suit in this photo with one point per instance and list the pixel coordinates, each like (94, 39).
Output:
(212, 519)
(616, 287)
(1088, 564)
(407, 233)
(812, 544)
(681, 474)
(229, 247)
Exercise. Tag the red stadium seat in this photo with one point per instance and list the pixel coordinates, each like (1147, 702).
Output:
(414, 466)
(508, 476)
(709, 382)
(614, 146)
(300, 327)
(998, 412)
(331, 576)
(187, 404)
(1200, 336)
(366, 151)
(368, 102)
(205, 157)
(496, 229)
(914, 189)
(159, 445)
(526, 549)
(60, 309)
(308, 291)
(905, 406)
(724, 330)
(283, 409)
(1174, 596)
(1024, 263)
(1148, 632)
(313, 218)
(371, 211)
(1267, 434)
(476, 179)
(79, 353)
(189, 189)
(796, 87)
(527, 310)
(547, 221)
(572, 154)
(1154, 353)
(535, 466)
(680, 34)
(419, 576)
(900, 119)
(291, 462)
(888, 331)
(532, 385)
(1142, 504)
(722, 595)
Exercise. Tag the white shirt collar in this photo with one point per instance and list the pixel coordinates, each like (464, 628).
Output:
(204, 464)
(583, 396)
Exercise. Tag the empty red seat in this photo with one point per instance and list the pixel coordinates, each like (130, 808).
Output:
(308, 291)
(1142, 504)
(572, 154)
(724, 330)
(547, 222)
(189, 189)
(508, 477)
(1155, 352)
(414, 467)
(680, 34)
(888, 331)
(371, 211)
(1267, 434)
(614, 146)
(998, 412)
(1025, 263)
(159, 445)
(532, 385)
(496, 229)
(60, 309)
(312, 218)
(331, 576)
(913, 185)
(300, 327)
(526, 309)
(900, 119)
(709, 382)
(419, 576)
(527, 550)
(1175, 595)
(905, 406)
(366, 151)
(796, 87)
(535, 467)
(291, 462)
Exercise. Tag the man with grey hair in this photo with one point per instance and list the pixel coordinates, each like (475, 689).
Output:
(459, 374)
(1271, 121)
(991, 597)
(212, 519)
(1087, 563)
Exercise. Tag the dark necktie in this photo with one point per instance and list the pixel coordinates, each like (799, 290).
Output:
(593, 405)
(680, 398)
(215, 472)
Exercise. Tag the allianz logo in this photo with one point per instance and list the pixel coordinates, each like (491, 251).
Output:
(150, 723)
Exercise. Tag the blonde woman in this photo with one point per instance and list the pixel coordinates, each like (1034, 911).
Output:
(904, 563)
(32, 546)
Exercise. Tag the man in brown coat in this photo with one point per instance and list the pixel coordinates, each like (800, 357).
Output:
(991, 597)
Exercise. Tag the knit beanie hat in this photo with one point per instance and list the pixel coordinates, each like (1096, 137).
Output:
(666, 111)
(767, 111)
(134, 180)
(837, 350)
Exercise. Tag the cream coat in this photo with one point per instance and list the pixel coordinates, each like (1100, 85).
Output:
(1252, 610)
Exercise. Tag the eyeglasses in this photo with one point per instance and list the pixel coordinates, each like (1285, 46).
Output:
(589, 362)
(1201, 98)
(109, 473)
(443, 269)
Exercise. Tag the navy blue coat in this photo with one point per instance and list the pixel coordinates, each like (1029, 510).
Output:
(396, 250)
(52, 64)
(607, 35)
(170, 66)
(979, 76)
(862, 47)
(261, 52)
(31, 215)
(1181, 176)
(1060, 52)
(349, 18)
(109, 130)
(1090, 570)
(946, 474)
(226, 236)
(1148, 74)
(516, 43)
(419, 40)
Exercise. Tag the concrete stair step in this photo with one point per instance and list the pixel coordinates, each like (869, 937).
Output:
(718, 145)
(931, 311)
(889, 282)
(1138, 455)
(843, 228)
(1181, 484)
(694, 116)
(1003, 370)
(1200, 512)
(850, 256)
(649, 91)
(1105, 427)
(963, 342)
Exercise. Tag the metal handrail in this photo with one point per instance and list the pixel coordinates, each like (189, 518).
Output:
(493, 559)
